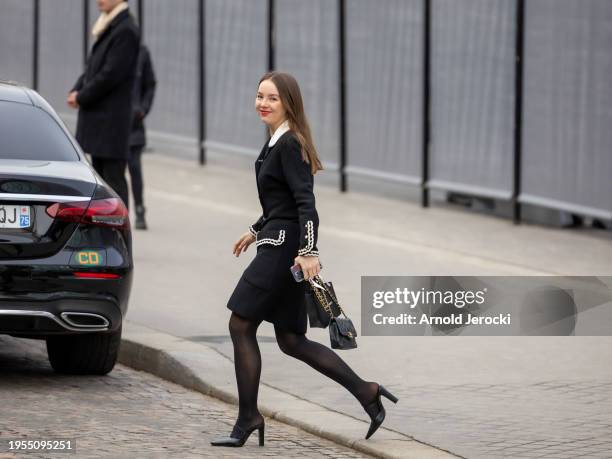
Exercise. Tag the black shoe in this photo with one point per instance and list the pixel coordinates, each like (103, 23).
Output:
(141, 223)
(239, 436)
(376, 410)
(598, 224)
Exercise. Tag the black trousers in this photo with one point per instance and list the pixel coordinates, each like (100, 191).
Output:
(112, 170)
(135, 168)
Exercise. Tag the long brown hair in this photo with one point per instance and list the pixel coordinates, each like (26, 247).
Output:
(291, 98)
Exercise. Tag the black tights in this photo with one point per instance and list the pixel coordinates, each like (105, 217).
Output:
(247, 361)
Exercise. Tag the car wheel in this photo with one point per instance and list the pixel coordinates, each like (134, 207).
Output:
(93, 354)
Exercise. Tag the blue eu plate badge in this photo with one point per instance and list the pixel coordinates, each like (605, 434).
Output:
(24, 217)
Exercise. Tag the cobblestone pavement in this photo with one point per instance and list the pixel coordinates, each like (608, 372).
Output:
(550, 419)
(127, 414)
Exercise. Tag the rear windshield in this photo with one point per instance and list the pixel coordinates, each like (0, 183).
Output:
(27, 132)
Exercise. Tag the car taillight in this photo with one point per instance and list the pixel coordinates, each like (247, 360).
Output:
(67, 211)
(107, 212)
(102, 212)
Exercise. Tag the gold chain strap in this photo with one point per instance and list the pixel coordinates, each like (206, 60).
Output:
(321, 297)
(321, 300)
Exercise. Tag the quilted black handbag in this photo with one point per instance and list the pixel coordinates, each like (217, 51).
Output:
(342, 333)
(324, 309)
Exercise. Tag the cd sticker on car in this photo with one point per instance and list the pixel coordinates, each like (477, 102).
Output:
(89, 258)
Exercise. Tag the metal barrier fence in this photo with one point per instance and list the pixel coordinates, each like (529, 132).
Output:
(508, 99)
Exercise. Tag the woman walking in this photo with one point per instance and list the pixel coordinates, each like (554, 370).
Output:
(285, 234)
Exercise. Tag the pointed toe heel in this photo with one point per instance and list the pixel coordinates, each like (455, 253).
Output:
(376, 410)
(239, 436)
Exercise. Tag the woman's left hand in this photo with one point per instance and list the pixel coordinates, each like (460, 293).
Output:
(310, 266)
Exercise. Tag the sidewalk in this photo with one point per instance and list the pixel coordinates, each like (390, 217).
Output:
(207, 371)
(475, 397)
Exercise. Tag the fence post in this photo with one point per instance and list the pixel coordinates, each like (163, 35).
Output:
(426, 101)
(85, 31)
(271, 37)
(201, 82)
(518, 109)
(342, 91)
(140, 18)
(35, 40)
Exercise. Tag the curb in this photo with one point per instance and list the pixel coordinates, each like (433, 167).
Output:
(203, 369)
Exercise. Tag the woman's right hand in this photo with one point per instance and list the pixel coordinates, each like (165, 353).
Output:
(243, 243)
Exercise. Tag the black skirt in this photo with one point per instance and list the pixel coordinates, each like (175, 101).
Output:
(267, 290)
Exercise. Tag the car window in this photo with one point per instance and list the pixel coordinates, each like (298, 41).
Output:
(27, 132)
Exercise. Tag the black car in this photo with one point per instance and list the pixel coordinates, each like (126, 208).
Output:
(65, 240)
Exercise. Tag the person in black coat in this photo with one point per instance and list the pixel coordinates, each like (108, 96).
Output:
(142, 100)
(103, 94)
(285, 234)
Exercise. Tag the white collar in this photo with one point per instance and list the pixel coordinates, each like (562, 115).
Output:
(105, 19)
(284, 127)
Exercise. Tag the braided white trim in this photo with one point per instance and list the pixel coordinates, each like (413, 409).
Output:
(278, 241)
(252, 231)
(312, 253)
(309, 237)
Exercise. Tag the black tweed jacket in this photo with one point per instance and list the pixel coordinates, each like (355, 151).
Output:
(285, 187)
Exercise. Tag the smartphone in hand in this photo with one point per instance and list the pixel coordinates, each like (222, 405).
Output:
(298, 275)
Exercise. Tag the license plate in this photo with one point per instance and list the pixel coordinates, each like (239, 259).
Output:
(14, 216)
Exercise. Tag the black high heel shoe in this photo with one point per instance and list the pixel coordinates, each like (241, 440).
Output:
(239, 436)
(376, 410)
